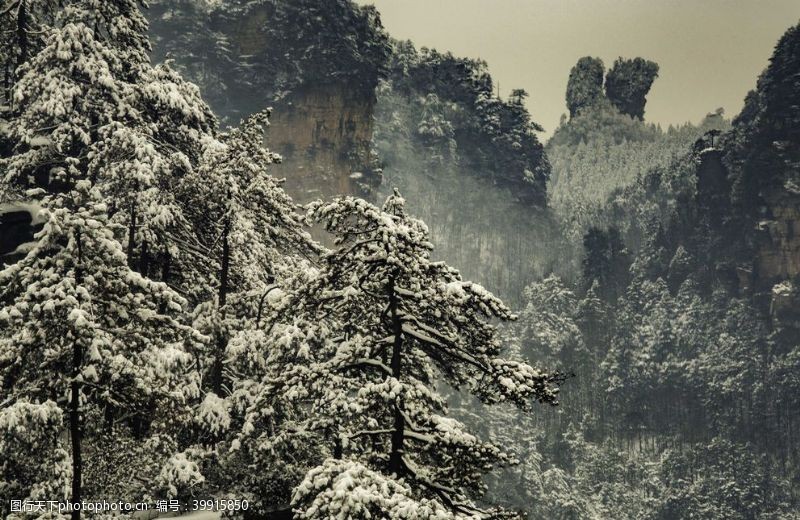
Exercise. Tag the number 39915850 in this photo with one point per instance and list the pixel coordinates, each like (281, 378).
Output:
(220, 505)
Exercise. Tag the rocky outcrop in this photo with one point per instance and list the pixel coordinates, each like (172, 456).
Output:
(249, 36)
(771, 268)
(324, 135)
(713, 188)
(785, 304)
(778, 252)
(316, 64)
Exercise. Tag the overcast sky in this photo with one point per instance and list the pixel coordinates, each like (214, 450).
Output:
(710, 51)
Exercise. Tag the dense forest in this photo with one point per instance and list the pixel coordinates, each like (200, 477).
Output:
(185, 317)
(680, 321)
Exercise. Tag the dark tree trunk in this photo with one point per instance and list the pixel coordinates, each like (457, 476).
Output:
(166, 266)
(108, 418)
(144, 260)
(337, 447)
(75, 430)
(165, 272)
(222, 342)
(132, 235)
(7, 84)
(396, 465)
(225, 268)
(75, 405)
(22, 32)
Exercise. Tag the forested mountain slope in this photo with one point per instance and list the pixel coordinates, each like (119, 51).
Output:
(600, 151)
(471, 165)
(682, 326)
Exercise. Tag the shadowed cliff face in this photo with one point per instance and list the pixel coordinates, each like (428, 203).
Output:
(779, 239)
(324, 134)
(249, 37)
(771, 262)
(764, 161)
(323, 131)
(776, 235)
(776, 262)
(316, 64)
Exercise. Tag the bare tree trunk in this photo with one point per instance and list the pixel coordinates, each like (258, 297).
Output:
(22, 32)
(75, 405)
(222, 343)
(398, 429)
(165, 272)
(75, 430)
(144, 260)
(132, 235)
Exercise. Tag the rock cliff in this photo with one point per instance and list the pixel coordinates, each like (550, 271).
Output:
(324, 134)
(779, 246)
(316, 64)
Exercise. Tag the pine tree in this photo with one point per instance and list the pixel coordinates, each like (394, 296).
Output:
(390, 322)
(29, 428)
(256, 244)
(252, 228)
(548, 324)
(23, 27)
(103, 107)
(97, 137)
(81, 329)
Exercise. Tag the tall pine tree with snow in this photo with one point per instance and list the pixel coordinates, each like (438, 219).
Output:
(96, 134)
(92, 96)
(83, 331)
(252, 229)
(378, 328)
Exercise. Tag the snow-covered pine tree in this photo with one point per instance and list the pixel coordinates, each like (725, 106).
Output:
(91, 94)
(252, 228)
(547, 323)
(140, 165)
(258, 246)
(349, 489)
(26, 24)
(278, 433)
(80, 328)
(23, 27)
(29, 428)
(95, 131)
(380, 327)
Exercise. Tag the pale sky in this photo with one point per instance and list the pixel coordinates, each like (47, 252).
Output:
(710, 51)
